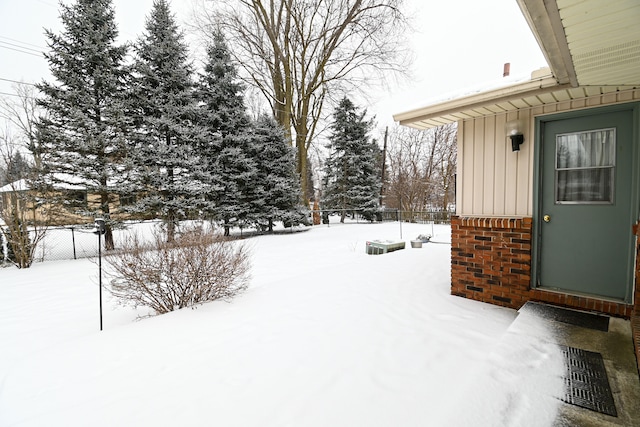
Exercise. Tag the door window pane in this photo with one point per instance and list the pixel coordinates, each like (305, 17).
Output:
(585, 167)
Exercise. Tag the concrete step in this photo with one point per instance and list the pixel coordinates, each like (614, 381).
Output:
(587, 336)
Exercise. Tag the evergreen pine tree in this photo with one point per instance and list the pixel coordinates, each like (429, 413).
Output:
(165, 111)
(17, 169)
(227, 146)
(279, 198)
(352, 179)
(83, 132)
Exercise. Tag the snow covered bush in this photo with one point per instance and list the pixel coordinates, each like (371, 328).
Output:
(196, 267)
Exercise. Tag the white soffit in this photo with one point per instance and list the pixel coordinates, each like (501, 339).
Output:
(604, 40)
(530, 94)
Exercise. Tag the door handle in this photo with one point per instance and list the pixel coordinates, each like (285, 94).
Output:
(546, 218)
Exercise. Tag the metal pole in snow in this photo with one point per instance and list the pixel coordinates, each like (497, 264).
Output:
(100, 273)
(73, 241)
(100, 229)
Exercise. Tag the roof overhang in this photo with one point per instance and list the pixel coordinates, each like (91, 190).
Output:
(491, 102)
(592, 48)
(544, 20)
(588, 42)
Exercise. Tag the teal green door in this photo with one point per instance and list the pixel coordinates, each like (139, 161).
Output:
(585, 217)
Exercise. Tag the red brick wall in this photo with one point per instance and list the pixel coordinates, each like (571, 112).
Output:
(491, 259)
(491, 262)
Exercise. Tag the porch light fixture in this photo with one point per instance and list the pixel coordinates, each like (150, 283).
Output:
(513, 129)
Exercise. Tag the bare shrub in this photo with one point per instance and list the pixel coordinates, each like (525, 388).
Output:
(196, 267)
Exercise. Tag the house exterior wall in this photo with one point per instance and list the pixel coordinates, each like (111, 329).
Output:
(51, 214)
(491, 259)
(491, 262)
(493, 181)
(492, 231)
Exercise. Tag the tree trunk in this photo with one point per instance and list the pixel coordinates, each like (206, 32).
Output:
(171, 212)
(302, 167)
(108, 233)
(227, 227)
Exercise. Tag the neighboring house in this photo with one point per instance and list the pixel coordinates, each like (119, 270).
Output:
(18, 195)
(556, 221)
(13, 196)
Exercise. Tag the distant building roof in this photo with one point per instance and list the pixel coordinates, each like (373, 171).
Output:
(20, 185)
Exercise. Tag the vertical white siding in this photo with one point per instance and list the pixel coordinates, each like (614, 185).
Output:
(479, 173)
(488, 164)
(500, 169)
(493, 180)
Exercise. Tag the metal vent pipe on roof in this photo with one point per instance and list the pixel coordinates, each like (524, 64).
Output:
(506, 70)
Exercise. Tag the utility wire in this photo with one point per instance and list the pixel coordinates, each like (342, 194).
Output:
(22, 47)
(15, 81)
(40, 48)
(22, 51)
(48, 4)
(15, 94)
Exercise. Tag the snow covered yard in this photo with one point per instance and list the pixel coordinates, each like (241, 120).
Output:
(326, 335)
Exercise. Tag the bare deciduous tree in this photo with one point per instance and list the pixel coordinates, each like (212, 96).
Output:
(445, 138)
(21, 112)
(21, 225)
(301, 53)
(421, 168)
(25, 223)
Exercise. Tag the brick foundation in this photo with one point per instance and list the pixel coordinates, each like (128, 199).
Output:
(491, 262)
(491, 259)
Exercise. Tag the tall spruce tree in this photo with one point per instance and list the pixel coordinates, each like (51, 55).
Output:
(278, 196)
(227, 146)
(17, 168)
(84, 129)
(165, 111)
(352, 178)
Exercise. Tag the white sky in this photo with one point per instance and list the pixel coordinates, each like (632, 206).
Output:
(460, 45)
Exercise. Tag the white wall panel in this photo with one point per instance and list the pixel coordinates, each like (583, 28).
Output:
(493, 180)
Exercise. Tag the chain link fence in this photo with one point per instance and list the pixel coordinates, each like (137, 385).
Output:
(418, 217)
(386, 215)
(71, 242)
(79, 241)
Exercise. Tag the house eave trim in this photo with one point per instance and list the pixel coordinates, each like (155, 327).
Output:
(521, 90)
(543, 17)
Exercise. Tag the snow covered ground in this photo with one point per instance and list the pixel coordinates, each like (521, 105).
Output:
(325, 336)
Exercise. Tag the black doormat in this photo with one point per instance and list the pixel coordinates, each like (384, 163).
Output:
(586, 381)
(572, 317)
